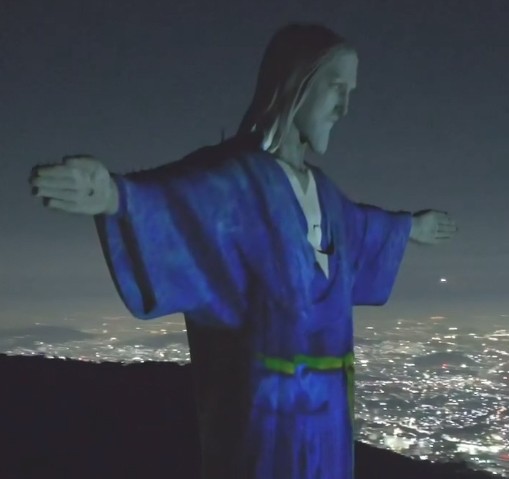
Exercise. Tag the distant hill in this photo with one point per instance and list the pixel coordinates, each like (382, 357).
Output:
(72, 419)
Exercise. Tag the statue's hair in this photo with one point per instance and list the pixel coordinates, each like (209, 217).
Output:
(291, 59)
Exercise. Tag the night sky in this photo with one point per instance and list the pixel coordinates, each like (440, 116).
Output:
(139, 84)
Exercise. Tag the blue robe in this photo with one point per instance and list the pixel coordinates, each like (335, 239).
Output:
(221, 237)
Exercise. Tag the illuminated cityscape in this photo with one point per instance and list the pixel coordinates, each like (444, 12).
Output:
(431, 390)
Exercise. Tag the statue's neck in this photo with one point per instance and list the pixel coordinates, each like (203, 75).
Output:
(292, 151)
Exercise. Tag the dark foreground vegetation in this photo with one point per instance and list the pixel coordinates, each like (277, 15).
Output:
(72, 419)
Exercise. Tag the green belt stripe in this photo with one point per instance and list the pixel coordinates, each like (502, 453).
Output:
(320, 363)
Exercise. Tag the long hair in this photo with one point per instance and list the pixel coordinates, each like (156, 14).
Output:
(291, 59)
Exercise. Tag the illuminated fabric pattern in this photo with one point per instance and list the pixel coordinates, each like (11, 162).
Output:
(220, 236)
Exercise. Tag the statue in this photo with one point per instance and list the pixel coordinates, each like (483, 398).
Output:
(265, 257)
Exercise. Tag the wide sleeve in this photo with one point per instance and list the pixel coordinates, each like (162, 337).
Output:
(376, 241)
(173, 245)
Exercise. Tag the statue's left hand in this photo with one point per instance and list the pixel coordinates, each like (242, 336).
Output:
(432, 227)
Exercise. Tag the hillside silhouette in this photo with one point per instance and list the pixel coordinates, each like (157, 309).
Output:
(73, 419)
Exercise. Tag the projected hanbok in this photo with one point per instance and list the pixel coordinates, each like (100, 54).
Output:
(266, 275)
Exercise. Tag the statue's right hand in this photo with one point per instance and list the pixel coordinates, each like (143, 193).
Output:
(80, 184)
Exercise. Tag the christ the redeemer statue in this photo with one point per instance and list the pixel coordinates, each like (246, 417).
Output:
(265, 257)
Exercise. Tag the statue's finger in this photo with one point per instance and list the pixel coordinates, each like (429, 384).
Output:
(67, 206)
(52, 182)
(57, 193)
(57, 171)
(447, 222)
(447, 227)
(80, 161)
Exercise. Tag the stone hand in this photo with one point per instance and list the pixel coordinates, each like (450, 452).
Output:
(80, 184)
(432, 227)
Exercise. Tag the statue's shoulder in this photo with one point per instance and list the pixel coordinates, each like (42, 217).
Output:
(228, 157)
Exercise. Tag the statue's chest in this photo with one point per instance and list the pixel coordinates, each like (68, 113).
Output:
(305, 190)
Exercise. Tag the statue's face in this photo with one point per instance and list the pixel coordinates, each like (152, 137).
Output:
(327, 101)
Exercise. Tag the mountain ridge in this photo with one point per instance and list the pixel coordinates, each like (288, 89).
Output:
(73, 419)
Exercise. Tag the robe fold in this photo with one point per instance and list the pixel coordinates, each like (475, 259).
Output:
(221, 237)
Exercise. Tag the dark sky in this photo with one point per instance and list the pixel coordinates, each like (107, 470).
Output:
(138, 84)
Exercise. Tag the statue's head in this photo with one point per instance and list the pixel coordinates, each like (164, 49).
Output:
(304, 82)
